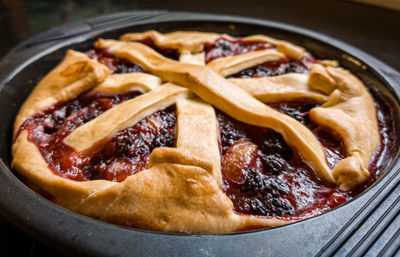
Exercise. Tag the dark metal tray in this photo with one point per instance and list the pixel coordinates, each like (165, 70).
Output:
(369, 224)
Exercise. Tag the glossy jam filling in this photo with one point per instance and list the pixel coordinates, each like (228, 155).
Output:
(124, 154)
(48, 129)
(224, 47)
(128, 151)
(167, 52)
(115, 64)
(332, 144)
(275, 68)
(262, 175)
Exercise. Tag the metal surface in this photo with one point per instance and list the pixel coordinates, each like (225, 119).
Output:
(367, 225)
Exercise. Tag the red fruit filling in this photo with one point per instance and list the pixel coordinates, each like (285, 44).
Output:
(126, 153)
(224, 47)
(272, 179)
(332, 145)
(262, 175)
(115, 64)
(276, 68)
(48, 129)
(167, 52)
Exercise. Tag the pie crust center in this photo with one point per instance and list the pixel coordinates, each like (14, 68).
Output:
(157, 131)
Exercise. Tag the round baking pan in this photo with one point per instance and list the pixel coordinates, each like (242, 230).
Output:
(75, 234)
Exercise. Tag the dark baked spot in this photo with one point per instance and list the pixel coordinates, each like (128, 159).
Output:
(115, 64)
(275, 68)
(224, 47)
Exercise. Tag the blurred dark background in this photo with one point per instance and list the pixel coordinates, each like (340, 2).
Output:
(372, 28)
(371, 25)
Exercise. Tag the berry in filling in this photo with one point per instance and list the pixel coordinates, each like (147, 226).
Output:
(167, 52)
(275, 68)
(224, 47)
(48, 129)
(332, 145)
(128, 151)
(115, 64)
(263, 176)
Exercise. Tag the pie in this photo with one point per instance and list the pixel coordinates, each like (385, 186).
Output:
(196, 132)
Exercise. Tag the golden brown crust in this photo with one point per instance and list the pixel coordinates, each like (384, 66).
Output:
(289, 49)
(350, 112)
(128, 82)
(233, 64)
(288, 87)
(193, 41)
(182, 184)
(192, 115)
(183, 41)
(181, 180)
(29, 161)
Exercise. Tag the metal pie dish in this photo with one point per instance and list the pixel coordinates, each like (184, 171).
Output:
(75, 234)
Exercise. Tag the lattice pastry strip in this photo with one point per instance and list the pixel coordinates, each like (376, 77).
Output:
(193, 42)
(214, 89)
(347, 111)
(288, 87)
(124, 115)
(128, 82)
(231, 65)
(193, 114)
(351, 98)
